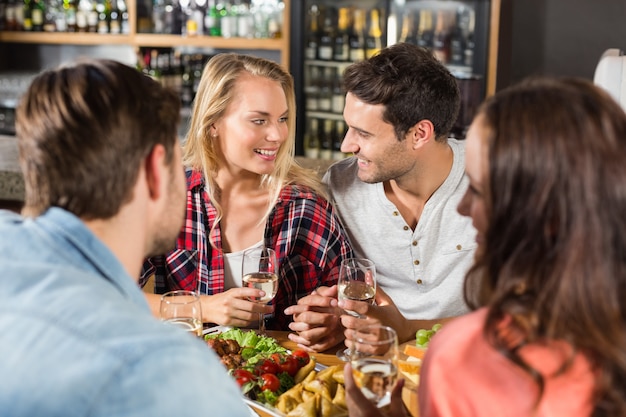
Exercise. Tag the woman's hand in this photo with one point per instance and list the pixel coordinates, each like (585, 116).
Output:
(232, 308)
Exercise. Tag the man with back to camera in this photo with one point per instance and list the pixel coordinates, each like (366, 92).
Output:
(105, 188)
(397, 199)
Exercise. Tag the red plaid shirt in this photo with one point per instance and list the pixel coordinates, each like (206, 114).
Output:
(303, 228)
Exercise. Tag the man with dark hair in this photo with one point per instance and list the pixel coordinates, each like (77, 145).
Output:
(105, 188)
(397, 198)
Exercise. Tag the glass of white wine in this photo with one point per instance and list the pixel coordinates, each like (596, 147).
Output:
(260, 271)
(357, 282)
(183, 309)
(374, 360)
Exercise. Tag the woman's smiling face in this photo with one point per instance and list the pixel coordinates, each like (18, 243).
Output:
(254, 125)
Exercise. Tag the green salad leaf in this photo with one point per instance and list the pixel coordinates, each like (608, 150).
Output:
(254, 347)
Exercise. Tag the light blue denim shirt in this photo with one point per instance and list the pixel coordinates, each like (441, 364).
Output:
(77, 337)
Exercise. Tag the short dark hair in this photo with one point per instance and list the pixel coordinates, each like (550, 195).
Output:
(412, 85)
(83, 131)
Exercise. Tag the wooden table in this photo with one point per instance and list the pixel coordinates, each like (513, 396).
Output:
(328, 358)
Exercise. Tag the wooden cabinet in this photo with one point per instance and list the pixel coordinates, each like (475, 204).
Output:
(137, 39)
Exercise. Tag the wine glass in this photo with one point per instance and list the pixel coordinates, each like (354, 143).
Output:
(374, 360)
(260, 271)
(183, 309)
(357, 281)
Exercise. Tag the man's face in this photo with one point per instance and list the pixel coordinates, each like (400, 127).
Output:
(381, 156)
(173, 216)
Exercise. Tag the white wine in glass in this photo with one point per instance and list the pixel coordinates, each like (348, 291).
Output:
(260, 271)
(357, 282)
(374, 360)
(182, 308)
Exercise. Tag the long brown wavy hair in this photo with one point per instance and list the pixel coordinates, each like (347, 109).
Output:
(555, 250)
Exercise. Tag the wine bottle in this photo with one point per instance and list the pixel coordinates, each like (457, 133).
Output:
(37, 13)
(441, 41)
(408, 32)
(326, 144)
(357, 37)
(338, 96)
(327, 36)
(338, 134)
(425, 29)
(27, 22)
(312, 40)
(311, 139)
(373, 40)
(342, 37)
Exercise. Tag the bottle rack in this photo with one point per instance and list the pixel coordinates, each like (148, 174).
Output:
(138, 39)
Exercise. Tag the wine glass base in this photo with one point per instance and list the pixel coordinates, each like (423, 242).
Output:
(344, 354)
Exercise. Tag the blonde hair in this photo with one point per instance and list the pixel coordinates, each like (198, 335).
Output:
(215, 93)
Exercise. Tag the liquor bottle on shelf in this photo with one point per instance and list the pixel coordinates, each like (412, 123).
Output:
(229, 20)
(327, 36)
(326, 140)
(92, 16)
(408, 32)
(69, 7)
(212, 19)
(357, 36)
(441, 44)
(341, 50)
(373, 40)
(338, 134)
(325, 98)
(245, 21)
(313, 35)
(457, 41)
(54, 19)
(311, 139)
(441, 41)
(425, 29)
(104, 16)
(186, 88)
(12, 9)
(27, 22)
(37, 14)
(338, 96)
(311, 81)
(470, 44)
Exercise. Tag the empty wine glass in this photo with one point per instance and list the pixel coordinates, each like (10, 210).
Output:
(260, 271)
(357, 281)
(374, 360)
(183, 309)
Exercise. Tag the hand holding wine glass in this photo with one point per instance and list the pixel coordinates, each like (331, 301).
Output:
(357, 282)
(260, 271)
(374, 360)
(183, 309)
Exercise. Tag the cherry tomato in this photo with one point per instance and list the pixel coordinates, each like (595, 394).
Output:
(287, 363)
(270, 382)
(302, 356)
(267, 366)
(243, 376)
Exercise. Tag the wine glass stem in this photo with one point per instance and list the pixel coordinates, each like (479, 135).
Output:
(261, 323)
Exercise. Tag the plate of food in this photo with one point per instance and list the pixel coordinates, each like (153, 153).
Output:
(279, 381)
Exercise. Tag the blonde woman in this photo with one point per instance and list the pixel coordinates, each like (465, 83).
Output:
(244, 189)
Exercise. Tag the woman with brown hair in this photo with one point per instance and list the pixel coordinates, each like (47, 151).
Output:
(546, 160)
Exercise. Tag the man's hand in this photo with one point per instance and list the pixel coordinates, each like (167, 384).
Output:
(316, 320)
(360, 406)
